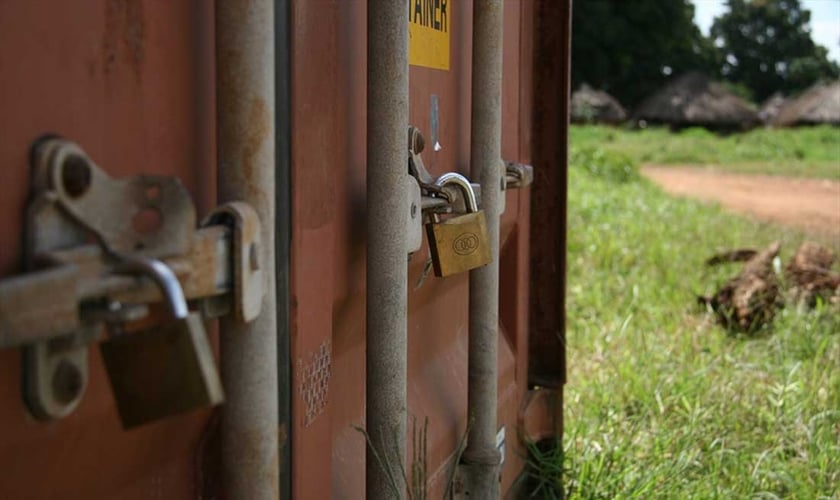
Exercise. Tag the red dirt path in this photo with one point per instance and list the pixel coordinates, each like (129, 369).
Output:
(812, 205)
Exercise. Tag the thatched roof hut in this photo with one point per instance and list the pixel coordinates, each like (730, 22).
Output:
(595, 106)
(771, 107)
(818, 105)
(695, 100)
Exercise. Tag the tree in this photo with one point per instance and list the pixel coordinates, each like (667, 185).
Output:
(630, 48)
(767, 47)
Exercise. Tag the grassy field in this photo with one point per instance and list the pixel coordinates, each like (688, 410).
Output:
(660, 402)
(810, 152)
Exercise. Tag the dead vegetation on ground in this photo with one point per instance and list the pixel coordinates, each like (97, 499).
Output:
(748, 301)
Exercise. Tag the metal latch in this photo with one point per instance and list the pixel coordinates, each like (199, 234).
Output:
(81, 227)
(518, 175)
(436, 200)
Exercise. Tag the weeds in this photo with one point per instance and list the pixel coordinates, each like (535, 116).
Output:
(414, 486)
(660, 402)
(544, 468)
(419, 464)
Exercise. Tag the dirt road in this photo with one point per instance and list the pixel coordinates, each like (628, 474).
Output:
(809, 204)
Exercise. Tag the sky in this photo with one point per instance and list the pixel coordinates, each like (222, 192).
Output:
(825, 21)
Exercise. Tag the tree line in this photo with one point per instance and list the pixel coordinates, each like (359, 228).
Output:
(631, 48)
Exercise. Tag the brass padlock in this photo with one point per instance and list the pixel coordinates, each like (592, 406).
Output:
(460, 243)
(166, 370)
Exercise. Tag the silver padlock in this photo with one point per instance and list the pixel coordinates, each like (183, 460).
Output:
(164, 370)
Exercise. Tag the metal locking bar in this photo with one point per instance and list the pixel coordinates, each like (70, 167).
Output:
(518, 175)
(71, 287)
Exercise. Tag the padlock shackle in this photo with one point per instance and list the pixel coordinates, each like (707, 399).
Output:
(463, 183)
(163, 277)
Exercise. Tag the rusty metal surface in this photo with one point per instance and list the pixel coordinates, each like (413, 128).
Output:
(45, 303)
(246, 242)
(137, 89)
(328, 255)
(72, 202)
(526, 80)
(133, 81)
(518, 175)
(552, 41)
(146, 214)
(514, 275)
(245, 122)
(386, 274)
(326, 97)
(480, 463)
(512, 89)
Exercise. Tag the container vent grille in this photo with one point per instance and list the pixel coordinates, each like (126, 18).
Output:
(315, 380)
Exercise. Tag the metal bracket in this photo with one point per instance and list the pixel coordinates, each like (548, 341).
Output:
(413, 213)
(446, 200)
(518, 175)
(416, 145)
(72, 288)
(434, 199)
(144, 214)
(248, 276)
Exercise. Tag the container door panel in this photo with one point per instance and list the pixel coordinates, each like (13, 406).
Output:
(132, 82)
(328, 249)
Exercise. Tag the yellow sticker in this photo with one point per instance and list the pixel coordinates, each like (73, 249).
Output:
(429, 22)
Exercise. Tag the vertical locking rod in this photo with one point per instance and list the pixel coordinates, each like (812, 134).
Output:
(480, 462)
(246, 158)
(387, 272)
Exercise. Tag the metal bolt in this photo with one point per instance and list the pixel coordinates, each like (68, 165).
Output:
(413, 210)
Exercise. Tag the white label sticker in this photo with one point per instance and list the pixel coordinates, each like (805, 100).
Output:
(500, 444)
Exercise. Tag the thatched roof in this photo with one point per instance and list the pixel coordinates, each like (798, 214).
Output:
(595, 106)
(819, 104)
(695, 100)
(771, 107)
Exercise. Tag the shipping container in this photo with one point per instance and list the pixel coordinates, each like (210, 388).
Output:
(172, 89)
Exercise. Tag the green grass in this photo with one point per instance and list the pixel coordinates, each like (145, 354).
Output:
(661, 402)
(807, 151)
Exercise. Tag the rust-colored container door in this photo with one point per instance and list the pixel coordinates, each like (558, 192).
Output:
(131, 81)
(328, 243)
